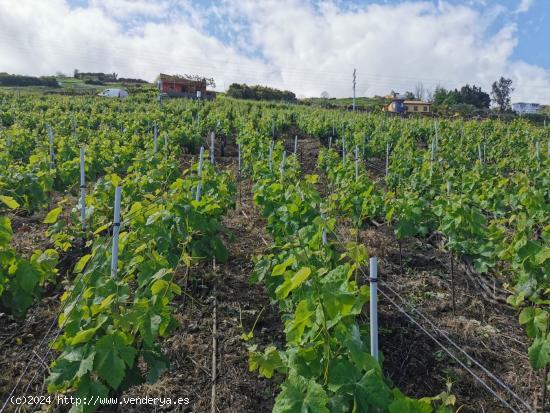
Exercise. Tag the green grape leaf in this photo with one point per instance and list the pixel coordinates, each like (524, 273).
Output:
(90, 390)
(539, 353)
(534, 319)
(62, 374)
(52, 216)
(543, 255)
(407, 405)
(86, 365)
(157, 363)
(292, 282)
(9, 201)
(341, 372)
(303, 317)
(266, 363)
(300, 395)
(79, 266)
(280, 269)
(338, 303)
(371, 391)
(112, 354)
(26, 277)
(5, 230)
(83, 336)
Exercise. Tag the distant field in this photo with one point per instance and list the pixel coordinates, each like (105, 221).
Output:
(70, 85)
(361, 103)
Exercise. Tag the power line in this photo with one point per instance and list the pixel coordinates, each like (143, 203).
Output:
(464, 366)
(226, 65)
(444, 334)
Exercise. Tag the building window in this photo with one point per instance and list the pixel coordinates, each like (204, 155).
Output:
(416, 108)
(425, 108)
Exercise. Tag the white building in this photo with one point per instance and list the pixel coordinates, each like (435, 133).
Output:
(522, 108)
(114, 93)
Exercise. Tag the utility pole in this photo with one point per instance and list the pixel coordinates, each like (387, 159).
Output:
(354, 77)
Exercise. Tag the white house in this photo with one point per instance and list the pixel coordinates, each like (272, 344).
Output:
(522, 108)
(114, 93)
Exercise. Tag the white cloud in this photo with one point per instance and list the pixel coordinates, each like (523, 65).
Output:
(284, 43)
(524, 6)
(39, 38)
(392, 47)
(126, 8)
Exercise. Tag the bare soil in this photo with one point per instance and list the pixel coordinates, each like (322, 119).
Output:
(190, 346)
(29, 234)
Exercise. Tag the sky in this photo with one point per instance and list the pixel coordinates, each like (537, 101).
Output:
(307, 46)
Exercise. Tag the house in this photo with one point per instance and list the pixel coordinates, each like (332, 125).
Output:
(417, 106)
(522, 108)
(399, 104)
(181, 86)
(114, 93)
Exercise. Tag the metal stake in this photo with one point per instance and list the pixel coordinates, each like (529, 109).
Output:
(116, 231)
(374, 307)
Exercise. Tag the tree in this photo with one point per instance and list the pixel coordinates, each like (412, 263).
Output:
(467, 95)
(325, 95)
(429, 95)
(197, 78)
(473, 95)
(419, 91)
(501, 93)
(442, 96)
(18, 80)
(257, 92)
(409, 96)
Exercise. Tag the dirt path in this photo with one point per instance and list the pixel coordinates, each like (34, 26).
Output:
(308, 148)
(190, 346)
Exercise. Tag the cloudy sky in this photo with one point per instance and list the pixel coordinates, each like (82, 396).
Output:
(307, 46)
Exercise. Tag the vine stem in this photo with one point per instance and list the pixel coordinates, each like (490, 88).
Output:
(452, 282)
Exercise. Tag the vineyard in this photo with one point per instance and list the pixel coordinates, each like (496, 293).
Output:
(253, 257)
